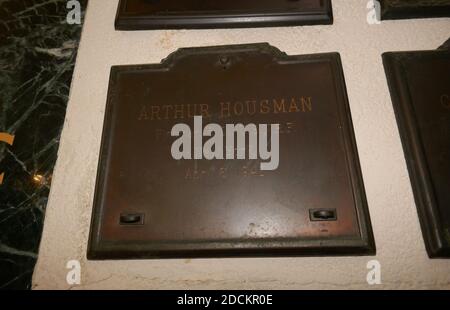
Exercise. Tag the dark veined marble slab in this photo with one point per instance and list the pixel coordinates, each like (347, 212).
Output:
(37, 56)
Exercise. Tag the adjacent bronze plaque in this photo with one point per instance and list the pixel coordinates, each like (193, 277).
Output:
(173, 14)
(420, 90)
(445, 46)
(185, 169)
(404, 9)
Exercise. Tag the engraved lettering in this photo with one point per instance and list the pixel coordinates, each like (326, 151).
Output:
(155, 112)
(251, 107)
(238, 108)
(204, 110)
(306, 104)
(166, 110)
(293, 107)
(191, 113)
(265, 108)
(279, 106)
(143, 116)
(231, 108)
(225, 108)
(179, 111)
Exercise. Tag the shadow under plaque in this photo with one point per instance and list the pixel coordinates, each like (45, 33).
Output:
(175, 14)
(408, 9)
(311, 201)
(420, 89)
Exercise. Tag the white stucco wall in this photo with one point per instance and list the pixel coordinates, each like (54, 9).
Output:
(400, 246)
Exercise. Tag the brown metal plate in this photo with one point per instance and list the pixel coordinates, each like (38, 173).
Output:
(420, 90)
(173, 14)
(406, 9)
(147, 204)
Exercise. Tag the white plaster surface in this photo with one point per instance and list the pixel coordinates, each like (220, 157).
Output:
(400, 246)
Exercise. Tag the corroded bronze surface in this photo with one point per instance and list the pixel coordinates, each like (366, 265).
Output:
(148, 204)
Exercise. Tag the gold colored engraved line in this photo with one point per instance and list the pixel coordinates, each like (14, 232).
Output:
(9, 139)
(227, 109)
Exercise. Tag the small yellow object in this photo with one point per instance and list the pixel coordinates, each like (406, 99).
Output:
(9, 139)
(38, 179)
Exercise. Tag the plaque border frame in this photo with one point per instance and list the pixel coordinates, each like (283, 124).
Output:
(224, 20)
(414, 152)
(389, 12)
(364, 244)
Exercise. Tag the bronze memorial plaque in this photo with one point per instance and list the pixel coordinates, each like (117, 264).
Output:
(405, 9)
(420, 90)
(229, 151)
(173, 14)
